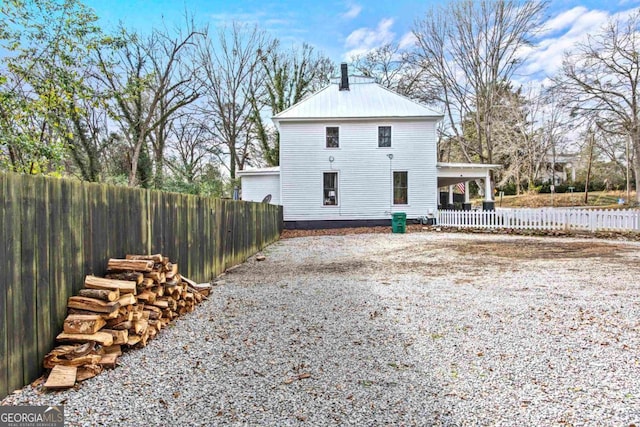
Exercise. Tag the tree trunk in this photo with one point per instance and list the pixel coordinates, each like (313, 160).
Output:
(586, 184)
(636, 162)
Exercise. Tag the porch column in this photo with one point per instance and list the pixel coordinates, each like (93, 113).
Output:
(488, 204)
(450, 204)
(488, 197)
(466, 206)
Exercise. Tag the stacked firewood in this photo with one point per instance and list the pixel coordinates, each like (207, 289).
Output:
(138, 297)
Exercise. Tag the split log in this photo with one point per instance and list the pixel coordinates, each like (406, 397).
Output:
(109, 360)
(138, 315)
(171, 270)
(133, 340)
(127, 311)
(92, 304)
(101, 294)
(152, 332)
(129, 264)
(115, 349)
(51, 361)
(153, 315)
(61, 377)
(140, 327)
(147, 297)
(105, 316)
(83, 324)
(127, 299)
(203, 288)
(123, 286)
(125, 316)
(154, 258)
(161, 303)
(88, 371)
(123, 326)
(156, 276)
(71, 355)
(129, 276)
(119, 336)
(102, 338)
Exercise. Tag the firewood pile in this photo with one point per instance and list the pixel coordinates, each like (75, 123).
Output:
(137, 298)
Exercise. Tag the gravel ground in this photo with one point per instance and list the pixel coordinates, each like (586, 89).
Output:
(374, 329)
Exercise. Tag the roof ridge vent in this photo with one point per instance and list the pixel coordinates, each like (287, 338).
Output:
(344, 79)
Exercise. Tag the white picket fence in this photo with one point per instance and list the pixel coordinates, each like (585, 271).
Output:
(544, 219)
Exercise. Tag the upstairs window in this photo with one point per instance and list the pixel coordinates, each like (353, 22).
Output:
(333, 137)
(330, 188)
(384, 136)
(400, 188)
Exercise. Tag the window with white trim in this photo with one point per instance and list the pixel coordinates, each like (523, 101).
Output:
(330, 188)
(384, 136)
(333, 137)
(400, 188)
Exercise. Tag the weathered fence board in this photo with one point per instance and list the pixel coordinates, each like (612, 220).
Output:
(4, 314)
(544, 219)
(55, 231)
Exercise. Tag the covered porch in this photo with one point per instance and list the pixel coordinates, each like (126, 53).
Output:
(452, 175)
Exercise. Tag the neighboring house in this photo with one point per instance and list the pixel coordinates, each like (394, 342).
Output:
(352, 154)
(564, 165)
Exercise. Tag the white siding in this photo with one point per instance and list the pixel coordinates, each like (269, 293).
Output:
(256, 187)
(365, 171)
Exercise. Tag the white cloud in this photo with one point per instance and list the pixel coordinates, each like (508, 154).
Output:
(575, 26)
(563, 20)
(366, 39)
(264, 20)
(354, 11)
(240, 17)
(407, 41)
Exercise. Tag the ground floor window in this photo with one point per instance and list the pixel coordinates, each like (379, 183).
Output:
(400, 188)
(330, 188)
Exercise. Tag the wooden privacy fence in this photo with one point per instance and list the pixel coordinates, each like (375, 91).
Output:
(544, 219)
(55, 231)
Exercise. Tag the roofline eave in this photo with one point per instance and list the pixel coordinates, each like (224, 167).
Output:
(276, 119)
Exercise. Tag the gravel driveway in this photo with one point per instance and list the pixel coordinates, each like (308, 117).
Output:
(374, 329)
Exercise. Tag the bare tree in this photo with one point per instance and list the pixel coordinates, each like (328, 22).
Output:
(600, 81)
(187, 88)
(141, 76)
(191, 156)
(231, 73)
(394, 68)
(471, 48)
(289, 77)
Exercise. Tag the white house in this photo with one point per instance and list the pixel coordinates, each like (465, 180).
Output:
(352, 154)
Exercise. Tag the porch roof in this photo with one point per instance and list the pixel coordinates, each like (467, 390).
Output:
(453, 173)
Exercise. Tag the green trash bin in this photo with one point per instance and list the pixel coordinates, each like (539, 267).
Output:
(399, 222)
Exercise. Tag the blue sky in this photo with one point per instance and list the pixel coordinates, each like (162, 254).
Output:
(343, 27)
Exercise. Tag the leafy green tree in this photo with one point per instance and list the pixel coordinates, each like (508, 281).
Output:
(42, 79)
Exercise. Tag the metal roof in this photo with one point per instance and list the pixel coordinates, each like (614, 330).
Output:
(364, 99)
(275, 170)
